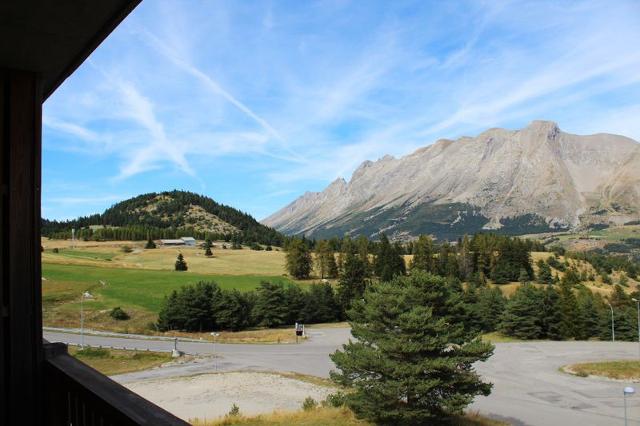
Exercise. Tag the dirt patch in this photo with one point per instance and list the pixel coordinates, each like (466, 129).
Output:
(209, 396)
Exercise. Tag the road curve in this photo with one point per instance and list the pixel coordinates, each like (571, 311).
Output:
(528, 387)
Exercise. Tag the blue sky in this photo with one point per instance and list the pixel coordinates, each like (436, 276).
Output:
(255, 102)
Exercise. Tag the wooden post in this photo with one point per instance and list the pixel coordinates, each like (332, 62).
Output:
(21, 354)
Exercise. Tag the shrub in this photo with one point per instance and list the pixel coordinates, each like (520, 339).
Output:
(269, 248)
(55, 250)
(126, 249)
(256, 246)
(336, 400)
(235, 410)
(119, 314)
(309, 404)
(150, 244)
(93, 353)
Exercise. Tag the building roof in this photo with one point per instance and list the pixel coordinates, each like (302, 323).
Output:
(172, 241)
(54, 37)
(188, 239)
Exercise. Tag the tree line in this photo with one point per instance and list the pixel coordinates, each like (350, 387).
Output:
(206, 307)
(476, 259)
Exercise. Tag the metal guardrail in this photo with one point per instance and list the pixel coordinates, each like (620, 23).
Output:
(78, 395)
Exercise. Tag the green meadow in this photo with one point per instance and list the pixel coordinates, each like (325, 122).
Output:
(139, 291)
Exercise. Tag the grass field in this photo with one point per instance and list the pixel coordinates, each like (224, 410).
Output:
(140, 292)
(619, 370)
(111, 362)
(324, 416)
(110, 255)
(138, 281)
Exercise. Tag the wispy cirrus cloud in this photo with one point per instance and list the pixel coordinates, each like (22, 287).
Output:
(277, 98)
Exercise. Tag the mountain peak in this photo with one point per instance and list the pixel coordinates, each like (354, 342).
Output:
(543, 126)
(498, 179)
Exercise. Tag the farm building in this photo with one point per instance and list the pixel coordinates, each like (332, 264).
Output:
(189, 241)
(184, 241)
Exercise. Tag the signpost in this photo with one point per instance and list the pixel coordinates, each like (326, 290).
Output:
(299, 330)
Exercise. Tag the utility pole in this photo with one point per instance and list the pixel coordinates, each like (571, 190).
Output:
(638, 306)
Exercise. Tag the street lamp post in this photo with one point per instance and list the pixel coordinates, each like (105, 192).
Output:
(638, 306)
(613, 327)
(215, 359)
(627, 391)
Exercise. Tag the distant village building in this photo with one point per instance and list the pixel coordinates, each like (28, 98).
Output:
(184, 241)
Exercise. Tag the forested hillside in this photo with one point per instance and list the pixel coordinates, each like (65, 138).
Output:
(166, 215)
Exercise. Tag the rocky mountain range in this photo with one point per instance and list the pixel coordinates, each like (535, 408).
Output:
(531, 180)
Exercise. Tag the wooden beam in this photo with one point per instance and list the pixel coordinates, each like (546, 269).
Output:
(21, 281)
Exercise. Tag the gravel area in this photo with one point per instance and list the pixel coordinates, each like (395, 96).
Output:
(212, 395)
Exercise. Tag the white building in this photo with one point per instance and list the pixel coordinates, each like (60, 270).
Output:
(184, 241)
(189, 241)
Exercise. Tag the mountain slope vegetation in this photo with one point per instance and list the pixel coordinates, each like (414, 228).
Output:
(166, 215)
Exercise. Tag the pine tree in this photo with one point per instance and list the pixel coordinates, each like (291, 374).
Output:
(544, 272)
(232, 311)
(589, 316)
(298, 259)
(521, 317)
(181, 264)
(150, 244)
(409, 363)
(569, 315)
(352, 281)
(423, 255)
(389, 262)
(551, 315)
(321, 305)
(491, 305)
(362, 248)
(325, 260)
(208, 252)
(295, 301)
(270, 306)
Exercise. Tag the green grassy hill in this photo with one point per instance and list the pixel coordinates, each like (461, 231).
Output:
(166, 215)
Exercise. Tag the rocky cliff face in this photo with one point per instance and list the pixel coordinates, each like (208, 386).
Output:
(530, 180)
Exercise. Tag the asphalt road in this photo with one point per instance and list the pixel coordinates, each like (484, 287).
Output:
(528, 388)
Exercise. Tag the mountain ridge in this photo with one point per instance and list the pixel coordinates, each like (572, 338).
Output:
(173, 210)
(537, 173)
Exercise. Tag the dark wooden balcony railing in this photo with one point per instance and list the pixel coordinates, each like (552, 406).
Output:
(78, 395)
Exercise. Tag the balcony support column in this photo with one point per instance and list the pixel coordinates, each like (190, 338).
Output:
(21, 355)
